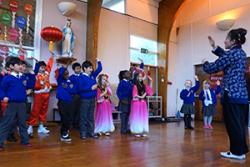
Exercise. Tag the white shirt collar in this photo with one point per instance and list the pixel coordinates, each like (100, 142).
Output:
(85, 74)
(15, 74)
(77, 74)
(125, 80)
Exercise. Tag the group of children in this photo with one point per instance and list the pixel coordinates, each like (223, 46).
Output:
(83, 100)
(208, 98)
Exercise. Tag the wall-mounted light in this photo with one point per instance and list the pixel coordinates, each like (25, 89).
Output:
(66, 8)
(225, 24)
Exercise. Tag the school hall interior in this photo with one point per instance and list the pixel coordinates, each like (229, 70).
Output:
(170, 37)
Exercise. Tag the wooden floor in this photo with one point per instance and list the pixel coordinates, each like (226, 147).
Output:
(168, 145)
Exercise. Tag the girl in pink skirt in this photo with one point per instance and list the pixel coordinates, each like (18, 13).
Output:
(138, 118)
(103, 116)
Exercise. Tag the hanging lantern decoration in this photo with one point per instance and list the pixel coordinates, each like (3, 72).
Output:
(13, 35)
(28, 10)
(13, 8)
(21, 23)
(51, 34)
(5, 20)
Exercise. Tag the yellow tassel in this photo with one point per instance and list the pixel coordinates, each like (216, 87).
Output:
(51, 46)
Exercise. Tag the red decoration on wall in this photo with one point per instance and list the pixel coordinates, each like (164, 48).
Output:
(28, 9)
(13, 5)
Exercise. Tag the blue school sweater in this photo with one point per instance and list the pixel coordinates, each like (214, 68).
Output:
(86, 82)
(75, 80)
(1, 91)
(124, 90)
(14, 89)
(233, 64)
(188, 95)
(29, 80)
(213, 93)
(66, 88)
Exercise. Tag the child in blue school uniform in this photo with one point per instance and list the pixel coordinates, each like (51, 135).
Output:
(16, 109)
(88, 92)
(209, 101)
(28, 79)
(124, 93)
(74, 78)
(64, 94)
(187, 95)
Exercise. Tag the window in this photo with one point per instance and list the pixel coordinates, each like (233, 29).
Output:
(145, 49)
(115, 5)
(26, 10)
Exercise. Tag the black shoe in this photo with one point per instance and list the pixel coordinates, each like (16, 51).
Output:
(191, 128)
(11, 138)
(66, 138)
(95, 136)
(83, 137)
(31, 136)
(1, 148)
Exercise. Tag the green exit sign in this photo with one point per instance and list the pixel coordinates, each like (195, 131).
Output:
(143, 50)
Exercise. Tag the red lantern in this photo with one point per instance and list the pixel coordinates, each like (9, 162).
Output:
(28, 9)
(51, 34)
(13, 6)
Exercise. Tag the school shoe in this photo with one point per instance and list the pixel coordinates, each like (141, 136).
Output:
(94, 136)
(11, 138)
(66, 138)
(41, 129)
(30, 130)
(144, 135)
(83, 137)
(107, 134)
(232, 156)
(137, 136)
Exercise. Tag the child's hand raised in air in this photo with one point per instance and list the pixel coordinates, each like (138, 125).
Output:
(196, 78)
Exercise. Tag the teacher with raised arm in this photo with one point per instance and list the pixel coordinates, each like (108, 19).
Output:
(232, 62)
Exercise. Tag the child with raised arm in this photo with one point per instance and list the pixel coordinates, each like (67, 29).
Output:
(187, 95)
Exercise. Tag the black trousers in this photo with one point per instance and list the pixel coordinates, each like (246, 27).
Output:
(87, 111)
(76, 111)
(14, 111)
(235, 122)
(125, 111)
(187, 120)
(65, 109)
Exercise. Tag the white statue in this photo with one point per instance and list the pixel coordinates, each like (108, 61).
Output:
(68, 40)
